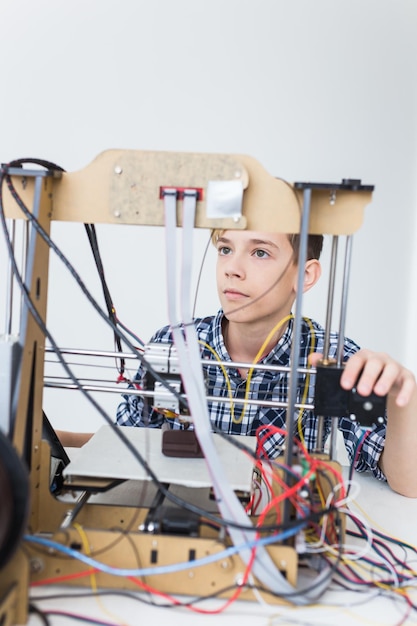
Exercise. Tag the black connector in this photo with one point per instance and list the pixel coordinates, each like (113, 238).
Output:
(331, 400)
(171, 520)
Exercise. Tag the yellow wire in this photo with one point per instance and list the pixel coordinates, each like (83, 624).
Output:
(307, 382)
(93, 579)
(257, 357)
(252, 368)
(250, 372)
(226, 377)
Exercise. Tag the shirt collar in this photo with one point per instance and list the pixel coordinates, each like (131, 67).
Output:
(280, 352)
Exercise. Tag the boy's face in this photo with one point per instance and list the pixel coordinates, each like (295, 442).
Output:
(256, 276)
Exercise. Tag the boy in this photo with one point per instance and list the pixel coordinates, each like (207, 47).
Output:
(257, 284)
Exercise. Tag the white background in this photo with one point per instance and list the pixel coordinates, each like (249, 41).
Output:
(314, 90)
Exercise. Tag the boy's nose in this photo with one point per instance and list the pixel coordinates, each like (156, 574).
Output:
(234, 269)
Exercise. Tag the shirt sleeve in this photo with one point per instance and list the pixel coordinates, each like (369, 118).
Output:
(134, 410)
(364, 446)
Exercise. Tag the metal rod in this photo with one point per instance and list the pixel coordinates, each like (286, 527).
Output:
(319, 448)
(302, 257)
(333, 439)
(330, 299)
(163, 394)
(100, 353)
(205, 362)
(71, 514)
(9, 285)
(25, 248)
(292, 391)
(320, 431)
(344, 298)
(27, 279)
(27, 271)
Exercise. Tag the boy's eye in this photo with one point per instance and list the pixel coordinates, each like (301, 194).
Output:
(224, 250)
(261, 254)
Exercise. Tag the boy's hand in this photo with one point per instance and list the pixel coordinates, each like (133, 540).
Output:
(379, 373)
(376, 372)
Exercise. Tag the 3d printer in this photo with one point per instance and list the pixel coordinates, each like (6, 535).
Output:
(220, 546)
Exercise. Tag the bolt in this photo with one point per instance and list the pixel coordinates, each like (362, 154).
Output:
(36, 565)
(118, 169)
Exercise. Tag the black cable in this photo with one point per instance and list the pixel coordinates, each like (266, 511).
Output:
(112, 320)
(79, 618)
(131, 333)
(39, 321)
(403, 577)
(118, 430)
(92, 238)
(40, 230)
(41, 614)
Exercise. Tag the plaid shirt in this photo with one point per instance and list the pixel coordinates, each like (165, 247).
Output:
(244, 419)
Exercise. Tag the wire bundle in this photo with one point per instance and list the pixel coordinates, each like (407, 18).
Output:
(314, 489)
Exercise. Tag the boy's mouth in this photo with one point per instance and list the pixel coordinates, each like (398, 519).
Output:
(233, 294)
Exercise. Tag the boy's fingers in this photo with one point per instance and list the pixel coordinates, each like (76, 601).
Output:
(380, 374)
(315, 358)
(362, 370)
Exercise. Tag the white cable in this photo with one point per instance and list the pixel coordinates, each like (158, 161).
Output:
(190, 365)
(189, 358)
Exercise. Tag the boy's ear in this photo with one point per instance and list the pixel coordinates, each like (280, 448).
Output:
(312, 273)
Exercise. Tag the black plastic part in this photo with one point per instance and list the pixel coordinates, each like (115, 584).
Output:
(333, 401)
(368, 410)
(348, 184)
(14, 499)
(330, 398)
(176, 521)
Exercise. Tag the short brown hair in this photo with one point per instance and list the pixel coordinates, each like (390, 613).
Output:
(314, 244)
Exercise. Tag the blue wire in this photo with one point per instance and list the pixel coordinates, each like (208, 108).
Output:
(163, 569)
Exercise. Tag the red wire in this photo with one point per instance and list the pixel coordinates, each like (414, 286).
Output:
(60, 579)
